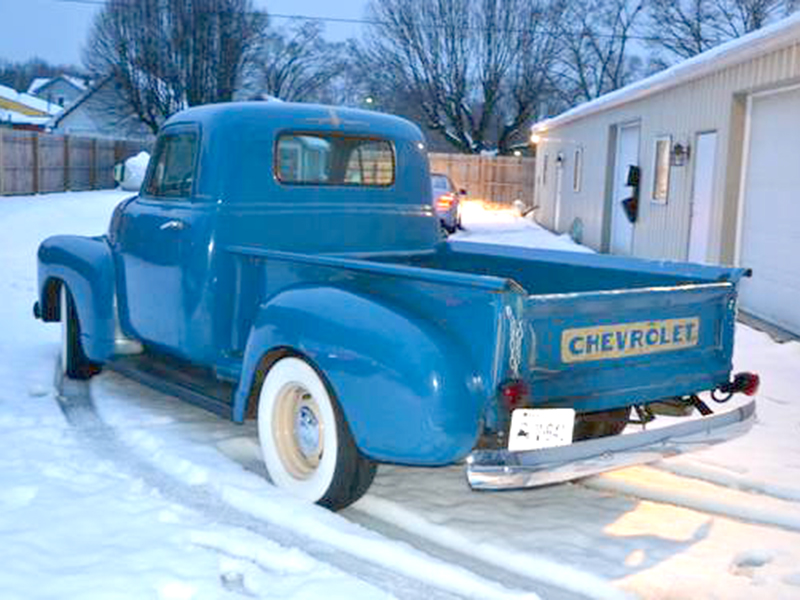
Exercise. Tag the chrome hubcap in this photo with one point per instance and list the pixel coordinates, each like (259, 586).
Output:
(298, 431)
(306, 430)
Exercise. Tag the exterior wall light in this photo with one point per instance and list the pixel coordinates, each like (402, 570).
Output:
(680, 154)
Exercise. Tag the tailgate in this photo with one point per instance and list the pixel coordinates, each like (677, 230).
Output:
(598, 350)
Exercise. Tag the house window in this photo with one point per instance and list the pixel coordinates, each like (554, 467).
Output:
(577, 168)
(661, 169)
(172, 172)
(323, 159)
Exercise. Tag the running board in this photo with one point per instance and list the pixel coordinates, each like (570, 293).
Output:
(193, 384)
(505, 470)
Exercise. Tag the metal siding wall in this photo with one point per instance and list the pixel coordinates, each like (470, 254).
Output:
(705, 104)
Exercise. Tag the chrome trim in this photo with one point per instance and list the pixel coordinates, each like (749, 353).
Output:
(504, 470)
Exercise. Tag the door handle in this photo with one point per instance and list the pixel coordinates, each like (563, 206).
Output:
(176, 225)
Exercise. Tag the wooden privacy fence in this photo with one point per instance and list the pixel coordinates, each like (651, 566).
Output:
(500, 179)
(33, 162)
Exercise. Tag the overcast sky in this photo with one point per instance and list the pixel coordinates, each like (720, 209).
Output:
(56, 30)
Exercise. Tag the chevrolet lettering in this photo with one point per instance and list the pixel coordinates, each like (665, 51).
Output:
(628, 339)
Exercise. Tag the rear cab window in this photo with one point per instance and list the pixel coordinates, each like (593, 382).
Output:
(327, 159)
(172, 173)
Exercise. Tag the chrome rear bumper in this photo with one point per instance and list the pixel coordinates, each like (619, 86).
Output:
(504, 470)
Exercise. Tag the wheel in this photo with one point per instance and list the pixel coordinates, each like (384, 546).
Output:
(306, 443)
(74, 363)
(600, 424)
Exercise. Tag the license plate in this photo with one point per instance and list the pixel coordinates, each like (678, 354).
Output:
(535, 428)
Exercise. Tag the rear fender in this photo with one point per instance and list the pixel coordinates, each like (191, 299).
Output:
(86, 266)
(407, 390)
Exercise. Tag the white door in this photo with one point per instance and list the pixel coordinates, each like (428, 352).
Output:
(769, 228)
(705, 158)
(627, 156)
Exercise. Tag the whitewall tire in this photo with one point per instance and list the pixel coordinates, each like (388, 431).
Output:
(305, 441)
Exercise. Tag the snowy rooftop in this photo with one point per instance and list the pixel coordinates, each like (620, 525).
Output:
(758, 42)
(31, 102)
(40, 82)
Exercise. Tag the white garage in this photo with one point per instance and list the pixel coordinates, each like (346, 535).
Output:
(769, 225)
(714, 143)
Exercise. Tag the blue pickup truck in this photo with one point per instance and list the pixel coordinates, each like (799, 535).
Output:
(284, 263)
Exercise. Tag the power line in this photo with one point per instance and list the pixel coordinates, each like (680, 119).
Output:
(361, 21)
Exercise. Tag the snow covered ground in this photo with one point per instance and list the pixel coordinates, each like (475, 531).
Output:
(137, 495)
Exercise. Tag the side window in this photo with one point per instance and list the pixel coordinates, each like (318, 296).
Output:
(172, 173)
(661, 169)
(325, 159)
(577, 170)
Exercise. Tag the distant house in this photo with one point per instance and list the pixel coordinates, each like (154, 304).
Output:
(23, 111)
(715, 142)
(61, 90)
(100, 112)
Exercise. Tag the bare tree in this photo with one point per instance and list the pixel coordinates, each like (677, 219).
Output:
(596, 57)
(169, 54)
(477, 70)
(294, 65)
(685, 28)
(738, 17)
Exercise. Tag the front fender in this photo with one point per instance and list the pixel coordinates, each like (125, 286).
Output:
(408, 392)
(86, 265)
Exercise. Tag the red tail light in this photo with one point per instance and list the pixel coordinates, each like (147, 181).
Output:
(751, 384)
(514, 393)
(445, 201)
(745, 383)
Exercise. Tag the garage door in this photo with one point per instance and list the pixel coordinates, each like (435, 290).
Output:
(770, 227)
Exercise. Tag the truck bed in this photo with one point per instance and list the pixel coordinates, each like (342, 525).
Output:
(586, 331)
(599, 332)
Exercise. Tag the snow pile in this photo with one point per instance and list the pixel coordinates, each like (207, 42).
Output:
(133, 172)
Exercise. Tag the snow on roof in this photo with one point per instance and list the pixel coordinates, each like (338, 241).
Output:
(76, 81)
(31, 102)
(735, 51)
(39, 82)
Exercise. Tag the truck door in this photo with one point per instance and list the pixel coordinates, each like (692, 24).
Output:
(164, 249)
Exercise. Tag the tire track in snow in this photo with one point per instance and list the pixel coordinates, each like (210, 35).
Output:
(662, 486)
(514, 562)
(695, 469)
(401, 571)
